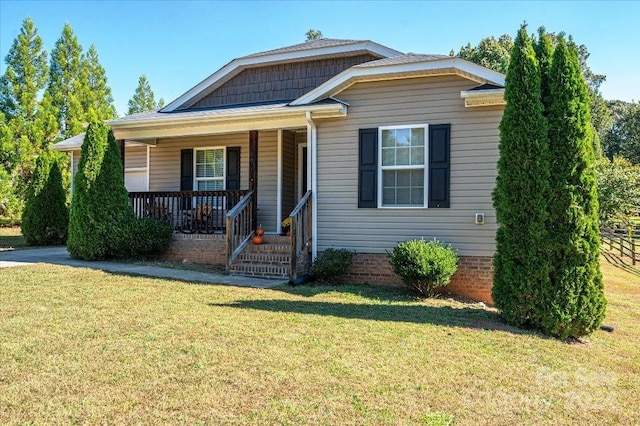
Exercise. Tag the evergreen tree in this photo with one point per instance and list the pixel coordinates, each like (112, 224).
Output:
(25, 76)
(102, 221)
(97, 103)
(576, 303)
(313, 35)
(520, 270)
(544, 54)
(65, 83)
(143, 98)
(45, 218)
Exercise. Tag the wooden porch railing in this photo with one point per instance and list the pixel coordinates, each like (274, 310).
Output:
(240, 225)
(301, 236)
(188, 211)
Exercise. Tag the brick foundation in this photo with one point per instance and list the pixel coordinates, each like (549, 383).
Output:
(473, 279)
(208, 249)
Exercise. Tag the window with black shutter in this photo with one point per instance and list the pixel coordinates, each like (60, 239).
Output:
(404, 166)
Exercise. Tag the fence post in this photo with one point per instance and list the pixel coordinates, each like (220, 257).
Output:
(633, 252)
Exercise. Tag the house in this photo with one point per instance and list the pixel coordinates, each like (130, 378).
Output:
(361, 145)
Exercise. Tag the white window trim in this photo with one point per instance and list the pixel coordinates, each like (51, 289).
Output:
(425, 167)
(224, 166)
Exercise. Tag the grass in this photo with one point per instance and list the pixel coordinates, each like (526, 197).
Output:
(84, 346)
(11, 238)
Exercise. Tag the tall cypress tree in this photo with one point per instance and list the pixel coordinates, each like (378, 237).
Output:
(101, 219)
(45, 218)
(520, 269)
(544, 54)
(65, 84)
(576, 303)
(97, 103)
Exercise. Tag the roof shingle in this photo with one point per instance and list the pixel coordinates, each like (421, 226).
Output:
(314, 44)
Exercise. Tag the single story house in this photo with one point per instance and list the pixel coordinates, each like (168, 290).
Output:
(360, 145)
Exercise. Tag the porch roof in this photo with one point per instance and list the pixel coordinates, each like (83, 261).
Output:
(155, 124)
(75, 143)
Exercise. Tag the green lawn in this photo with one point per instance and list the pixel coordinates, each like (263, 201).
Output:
(83, 346)
(11, 238)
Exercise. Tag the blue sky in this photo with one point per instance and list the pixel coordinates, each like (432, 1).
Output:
(179, 43)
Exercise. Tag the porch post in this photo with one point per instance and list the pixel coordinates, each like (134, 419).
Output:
(253, 173)
(121, 144)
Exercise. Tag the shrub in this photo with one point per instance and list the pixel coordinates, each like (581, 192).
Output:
(151, 237)
(424, 266)
(102, 220)
(331, 265)
(45, 218)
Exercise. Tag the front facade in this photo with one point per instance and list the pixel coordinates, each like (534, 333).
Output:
(361, 145)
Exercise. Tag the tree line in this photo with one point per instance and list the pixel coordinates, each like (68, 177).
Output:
(46, 97)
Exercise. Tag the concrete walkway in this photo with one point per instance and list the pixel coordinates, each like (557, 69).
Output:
(60, 256)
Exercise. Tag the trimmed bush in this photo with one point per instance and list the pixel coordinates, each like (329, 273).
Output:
(102, 221)
(151, 237)
(424, 266)
(45, 218)
(331, 265)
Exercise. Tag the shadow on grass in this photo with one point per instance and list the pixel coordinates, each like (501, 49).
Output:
(466, 317)
(616, 261)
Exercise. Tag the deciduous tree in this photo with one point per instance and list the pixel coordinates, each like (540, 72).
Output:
(65, 84)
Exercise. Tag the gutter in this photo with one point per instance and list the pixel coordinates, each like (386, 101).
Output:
(312, 144)
(210, 118)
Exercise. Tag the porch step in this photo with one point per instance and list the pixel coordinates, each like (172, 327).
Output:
(260, 270)
(270, 260)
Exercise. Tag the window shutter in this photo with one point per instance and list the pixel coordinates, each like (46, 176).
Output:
(439, 165)
(368, 168)
(233, 168)
(186, 170)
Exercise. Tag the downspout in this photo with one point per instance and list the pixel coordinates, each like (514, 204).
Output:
(312, 147)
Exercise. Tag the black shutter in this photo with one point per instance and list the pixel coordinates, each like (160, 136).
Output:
(368, 168)
(233, 168)
(439, 165)
(186, 170)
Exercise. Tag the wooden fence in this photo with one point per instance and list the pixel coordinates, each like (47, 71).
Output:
(621, 245)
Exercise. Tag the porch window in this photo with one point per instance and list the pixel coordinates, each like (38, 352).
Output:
(209, 175)
(402, 178)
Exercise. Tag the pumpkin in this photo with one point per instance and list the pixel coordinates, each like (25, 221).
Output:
(257, 240)
(260, 231)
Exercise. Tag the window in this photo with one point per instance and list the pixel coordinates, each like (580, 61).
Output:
(209, 169)
(403, 155)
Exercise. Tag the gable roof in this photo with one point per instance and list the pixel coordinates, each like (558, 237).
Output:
(402, 66)
(297, 52)
(314, 44)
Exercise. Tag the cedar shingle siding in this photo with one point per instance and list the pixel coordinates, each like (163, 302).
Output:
(282, 82)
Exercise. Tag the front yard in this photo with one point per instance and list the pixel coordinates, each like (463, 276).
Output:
(84, 346)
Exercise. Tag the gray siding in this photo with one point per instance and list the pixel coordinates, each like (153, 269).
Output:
(474, 154)
(281, 82)
(164, 158)
(135, 156)
(268, 180)
(289, 191)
